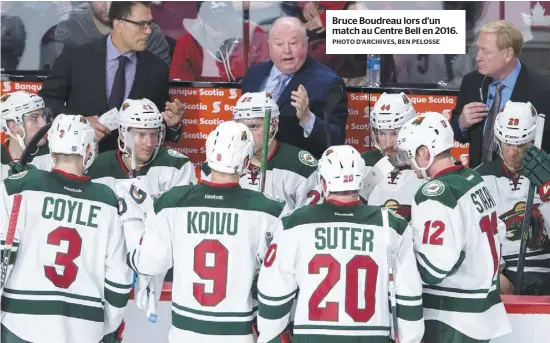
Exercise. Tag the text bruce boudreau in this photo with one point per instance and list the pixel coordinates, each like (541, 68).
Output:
(396, 32)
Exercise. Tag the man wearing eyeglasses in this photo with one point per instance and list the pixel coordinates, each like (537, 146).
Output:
(96, 77)
(500, 76)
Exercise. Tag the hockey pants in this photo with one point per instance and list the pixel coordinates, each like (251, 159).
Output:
(439, 332)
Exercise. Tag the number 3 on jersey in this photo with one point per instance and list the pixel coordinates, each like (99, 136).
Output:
(66, 260)
(352, 301)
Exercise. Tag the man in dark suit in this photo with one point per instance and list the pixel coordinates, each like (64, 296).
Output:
(95, 77)
(301, 86)
(483, 93)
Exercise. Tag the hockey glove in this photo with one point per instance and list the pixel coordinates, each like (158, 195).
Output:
(115, 337)
(146, 296)
(536, 167)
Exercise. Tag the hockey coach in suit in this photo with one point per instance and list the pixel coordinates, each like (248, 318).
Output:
(301, 87)
(93, 78)
(500, 77)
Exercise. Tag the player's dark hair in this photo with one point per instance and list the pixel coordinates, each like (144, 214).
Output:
(443, 154)
(123, 9)
(346, 193)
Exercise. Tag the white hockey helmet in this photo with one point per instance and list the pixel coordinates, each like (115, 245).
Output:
(342, 168)
(516, 124)
(254, 105)
(429, 129)
(140, 114)
(14, 107)
(391, 111)
(229, 148)
(72, 135)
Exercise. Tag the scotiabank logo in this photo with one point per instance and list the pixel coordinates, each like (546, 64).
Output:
(6, 86)
(216, 106)
(233, 93)
(11, 86)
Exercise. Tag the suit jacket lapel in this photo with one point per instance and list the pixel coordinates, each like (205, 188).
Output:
(521, 88)
(299, 78)
(98, 71)
(140, 79)
(263, 74)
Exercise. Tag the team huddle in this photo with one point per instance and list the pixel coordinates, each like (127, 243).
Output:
(401, 243)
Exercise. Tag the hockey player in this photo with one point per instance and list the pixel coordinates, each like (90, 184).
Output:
(141, 153)
(70, 282)
(396, 190)
(336, 253)
(140, 150)
(21, 117)
(455, 224)
(515, 129)
(290, 171)
(214, 235)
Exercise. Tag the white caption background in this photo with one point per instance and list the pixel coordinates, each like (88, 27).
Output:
(408, 32)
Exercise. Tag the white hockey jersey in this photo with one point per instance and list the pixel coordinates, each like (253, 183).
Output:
(395, 192)
(214, 237)
(291, 175)
(510, 191)
(41, 159)
(169, 168)
(457, 246)
(335, 254)
(70, 282)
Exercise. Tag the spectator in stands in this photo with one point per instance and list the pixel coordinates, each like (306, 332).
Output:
(87, 24)
(212, 49)
(500, 76)
(14, 38)
(352, 68)
(301, 87)
(93, 78)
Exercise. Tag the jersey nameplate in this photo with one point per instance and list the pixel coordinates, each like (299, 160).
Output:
(433, 188)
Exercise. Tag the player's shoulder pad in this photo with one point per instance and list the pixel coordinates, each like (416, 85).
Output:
(28, 179)
(372, 157)
(168, 157)
(171, 197)
(396, 222)
(299, 216)
(436, 190)
(293, 159)
(103, 164)
(267, 203)
(494, 168)
(102, 193)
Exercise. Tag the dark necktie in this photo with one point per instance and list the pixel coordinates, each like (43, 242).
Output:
(119, 84)
(488, 145)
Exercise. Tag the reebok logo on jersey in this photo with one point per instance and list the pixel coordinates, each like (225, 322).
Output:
(343, 214)
(75, 190)
(213, 197)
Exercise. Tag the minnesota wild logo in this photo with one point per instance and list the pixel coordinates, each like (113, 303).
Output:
(514, 220)
(403, 210)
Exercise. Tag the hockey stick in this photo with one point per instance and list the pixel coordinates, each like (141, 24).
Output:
(528, 213)
(391, 286)
(30, 148)
(334, 96)
(265, 148)
(10, 235)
